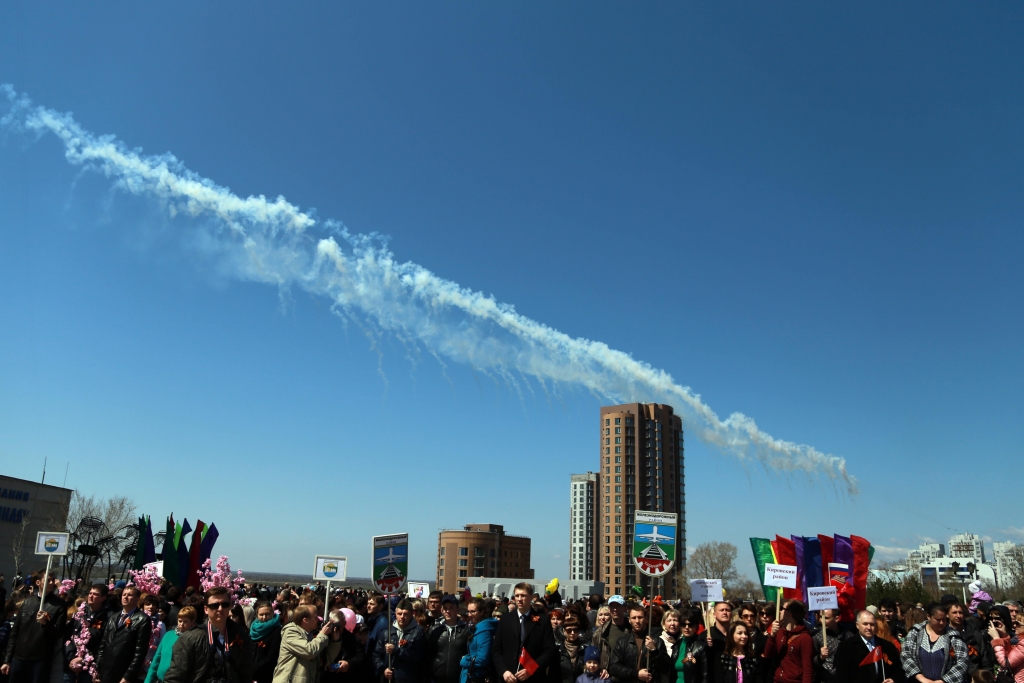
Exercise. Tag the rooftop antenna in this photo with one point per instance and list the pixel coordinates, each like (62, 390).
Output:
(44, 471)
(64, 485)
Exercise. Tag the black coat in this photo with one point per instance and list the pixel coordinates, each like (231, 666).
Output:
(445, 652)
(725, 669)
(852, 651)
(625, 657)
(29, 640)
(97, 625)
(539, 643)
(122, 650)
(265, 655)
(194, 660)
(346, 649)
(570, 670)
(696, 667)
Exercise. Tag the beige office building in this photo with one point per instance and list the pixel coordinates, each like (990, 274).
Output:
(641, 468)
(480, 550)
(26, 508)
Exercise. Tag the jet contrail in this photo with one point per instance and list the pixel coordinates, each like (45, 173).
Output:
(270, 240)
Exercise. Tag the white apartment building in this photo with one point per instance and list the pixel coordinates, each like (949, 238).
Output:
(967, 546)
(582, 489)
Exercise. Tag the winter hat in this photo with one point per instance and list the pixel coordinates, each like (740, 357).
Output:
(592, 654)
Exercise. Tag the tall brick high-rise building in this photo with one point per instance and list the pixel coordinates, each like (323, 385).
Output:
(641, 468)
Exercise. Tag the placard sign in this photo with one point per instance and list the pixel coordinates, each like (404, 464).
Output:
(780, 575)
(654, 542)
(52, 543)
(821, 598)
(156, 567)
(330, 568)
(390, 562)
(418, 589)
(706, 590)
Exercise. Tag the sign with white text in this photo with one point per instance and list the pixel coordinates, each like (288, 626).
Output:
(390, 562)
(654, 542)
(821, 598)
(780, 575)
(706, 590)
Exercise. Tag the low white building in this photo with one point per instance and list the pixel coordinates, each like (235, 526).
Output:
(502, 587)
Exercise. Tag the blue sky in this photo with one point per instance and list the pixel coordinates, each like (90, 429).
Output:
(807, 213)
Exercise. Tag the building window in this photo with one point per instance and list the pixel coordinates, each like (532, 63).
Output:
(478, 551)
(618, 420)
(493, 553)
(462, 584)
(463, 563)
(606, 422)
(440, 572)
(442, 561)
(462, 572)
(463, 552)
(442, 551)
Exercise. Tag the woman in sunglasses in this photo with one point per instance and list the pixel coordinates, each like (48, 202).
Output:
(571, 648)
(1009, 654)
(682, 656)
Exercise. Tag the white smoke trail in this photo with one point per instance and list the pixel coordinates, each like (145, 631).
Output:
(270, 241)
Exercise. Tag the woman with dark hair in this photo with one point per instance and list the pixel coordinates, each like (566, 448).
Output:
(571, 649)
(1003, 631)
(682, 656)
(476, 663)
(266, 639)
(557, 617)
(735, 664)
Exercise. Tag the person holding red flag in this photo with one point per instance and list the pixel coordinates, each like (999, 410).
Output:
(524, 644)
(867, 658)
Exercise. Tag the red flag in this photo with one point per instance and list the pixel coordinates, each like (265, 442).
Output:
(860, 571)
(526, 662)
(827, 544)
(785, 552)
(874, 657)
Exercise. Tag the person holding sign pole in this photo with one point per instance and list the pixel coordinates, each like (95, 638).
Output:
(866, 658)
(400, 647)
(34, 633)
(790, 646)
(825, 644)
(631, 658)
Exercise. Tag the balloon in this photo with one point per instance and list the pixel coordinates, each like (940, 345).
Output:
(350, 619)
(552, 587)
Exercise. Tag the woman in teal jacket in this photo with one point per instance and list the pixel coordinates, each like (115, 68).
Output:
(162, 658)
(476, 665)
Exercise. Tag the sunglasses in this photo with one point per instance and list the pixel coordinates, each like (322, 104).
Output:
(690, 624)
(571, 629)
(217, 605)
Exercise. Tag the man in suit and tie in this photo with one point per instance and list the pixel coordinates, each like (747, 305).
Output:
(525, 628)
(125, 642)
(854, 662)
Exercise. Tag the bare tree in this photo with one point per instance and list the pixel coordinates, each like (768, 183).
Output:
(18, 551)
(714, 560)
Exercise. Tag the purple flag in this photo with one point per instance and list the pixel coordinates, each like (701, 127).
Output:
(801, 574)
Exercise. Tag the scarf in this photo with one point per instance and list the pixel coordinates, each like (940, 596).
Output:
(261, 629)
(573, 649)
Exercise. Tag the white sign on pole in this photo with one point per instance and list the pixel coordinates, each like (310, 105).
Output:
(52, 543)
(821, 598)
(418, 589)
(706, 590)
(780, 575)
(330, 568)
(158, 567)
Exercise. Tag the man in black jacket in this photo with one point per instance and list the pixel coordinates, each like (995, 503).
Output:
(447, 643)
(851, 661)
(219, 650)
(523, 628)
(631, 658)
(125, 641)
(95, 617)
(34, 634)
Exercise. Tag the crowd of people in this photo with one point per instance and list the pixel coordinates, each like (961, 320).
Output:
(116, 633)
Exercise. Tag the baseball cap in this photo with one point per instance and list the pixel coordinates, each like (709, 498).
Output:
(616, 599)
(450, 599)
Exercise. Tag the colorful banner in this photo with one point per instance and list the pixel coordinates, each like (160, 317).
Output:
(654, 542)
(390, 562)
(763, 555)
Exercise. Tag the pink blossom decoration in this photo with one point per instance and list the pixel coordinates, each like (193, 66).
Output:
(81, 640)
(222, 577)
(147, 580)
(66, 587)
